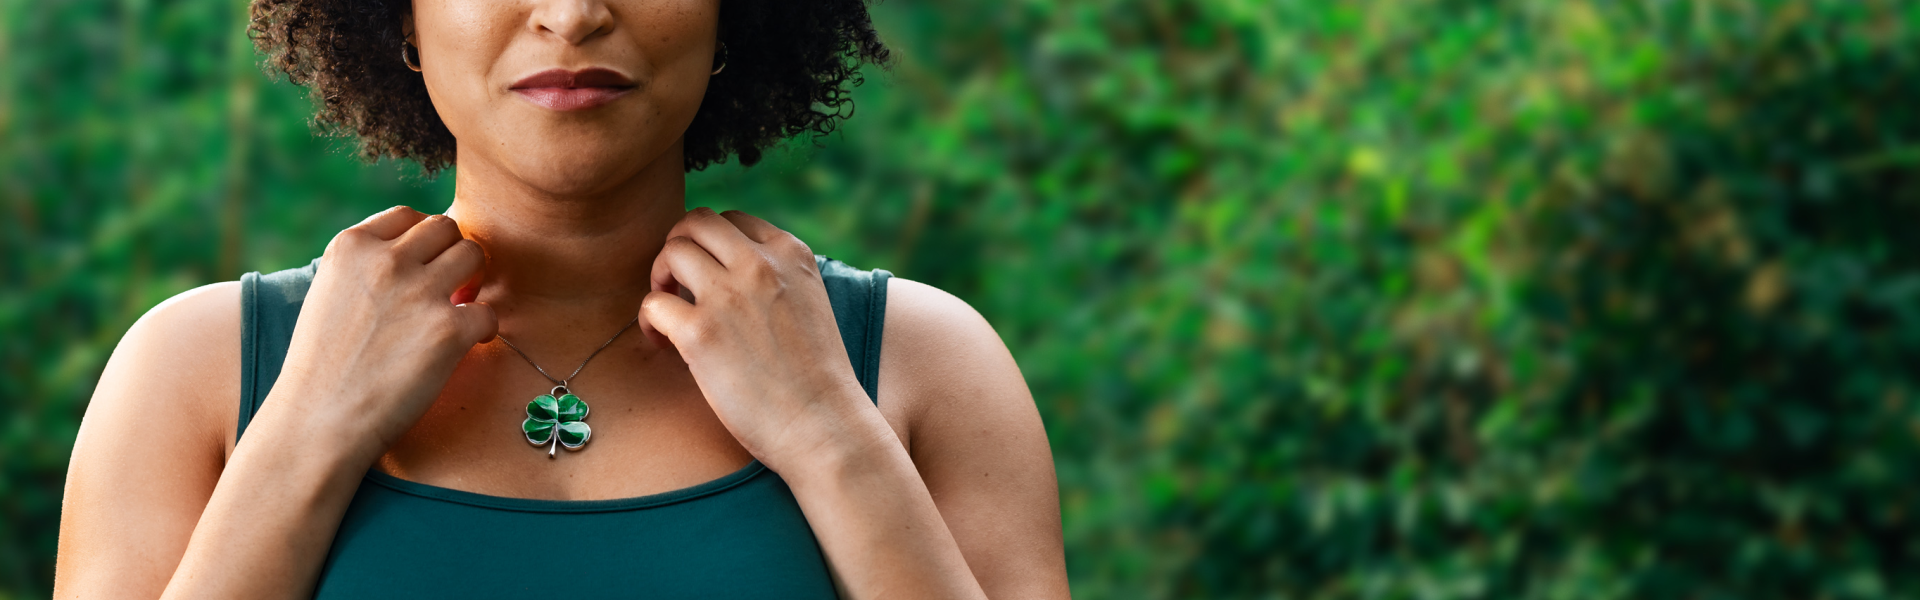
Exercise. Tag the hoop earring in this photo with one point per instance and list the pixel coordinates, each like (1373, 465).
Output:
(412, 60)
(723, 60)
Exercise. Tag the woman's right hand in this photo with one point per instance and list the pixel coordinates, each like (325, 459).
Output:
(389, 316)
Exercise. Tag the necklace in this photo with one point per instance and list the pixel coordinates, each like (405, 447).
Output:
(557, 419)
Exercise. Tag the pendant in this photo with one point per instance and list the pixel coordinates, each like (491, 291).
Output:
(557, 422)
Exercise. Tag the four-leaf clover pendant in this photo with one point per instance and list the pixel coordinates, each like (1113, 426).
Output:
(557, 423)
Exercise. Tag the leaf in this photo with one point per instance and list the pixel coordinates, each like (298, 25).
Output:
(572, 408)
(574, 434)
(544, 407)
(538, 431)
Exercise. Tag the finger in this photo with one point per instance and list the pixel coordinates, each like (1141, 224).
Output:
(683, 262)
(427, 239)
(390, 223)
(470, 290)
(458, 268)
(475, 321)
(764, 233)
(667, 319)
(715, 233)
(753, 227)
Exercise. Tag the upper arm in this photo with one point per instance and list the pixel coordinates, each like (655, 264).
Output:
(976, 438)
(151, 447)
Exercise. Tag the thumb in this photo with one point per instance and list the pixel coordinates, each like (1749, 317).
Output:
(666, 315)
(476, 321)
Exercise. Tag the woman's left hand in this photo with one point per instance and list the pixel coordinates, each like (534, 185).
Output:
(760, 338)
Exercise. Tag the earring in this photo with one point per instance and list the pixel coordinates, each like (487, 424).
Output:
(412, 60)
(723, 60)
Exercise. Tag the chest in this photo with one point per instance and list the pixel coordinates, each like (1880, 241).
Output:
(661, 503)
(652, 431)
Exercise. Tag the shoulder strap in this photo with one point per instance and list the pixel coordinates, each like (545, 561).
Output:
(860, 309)
(269, 306)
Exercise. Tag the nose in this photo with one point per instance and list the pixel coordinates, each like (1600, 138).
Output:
(574, 21)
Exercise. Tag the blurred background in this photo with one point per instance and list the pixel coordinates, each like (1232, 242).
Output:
(1555, 299)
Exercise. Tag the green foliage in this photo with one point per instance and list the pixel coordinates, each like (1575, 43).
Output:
(1319, 298)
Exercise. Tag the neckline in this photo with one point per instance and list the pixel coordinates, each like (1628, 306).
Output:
(434, 492)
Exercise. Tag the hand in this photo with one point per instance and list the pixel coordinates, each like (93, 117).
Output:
(389, 315)
(759, 336)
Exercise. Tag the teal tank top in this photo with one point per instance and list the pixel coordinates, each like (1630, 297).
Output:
(739, 536)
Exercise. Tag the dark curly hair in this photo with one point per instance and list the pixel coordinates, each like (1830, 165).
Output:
(789, 69)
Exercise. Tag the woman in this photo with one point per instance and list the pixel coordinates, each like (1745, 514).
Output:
(398, 418)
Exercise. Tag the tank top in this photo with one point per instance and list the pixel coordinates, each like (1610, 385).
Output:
(739, 536)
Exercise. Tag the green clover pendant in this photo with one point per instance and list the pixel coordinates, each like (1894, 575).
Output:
(557, 423)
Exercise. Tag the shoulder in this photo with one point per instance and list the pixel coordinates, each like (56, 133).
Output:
(151, 447)
(181, 360)
(975, 436)
(930, 319)
(944, 363)
(188, 311)
(189, 330)
(196, 332)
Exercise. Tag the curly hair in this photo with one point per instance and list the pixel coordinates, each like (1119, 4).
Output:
(790, 66)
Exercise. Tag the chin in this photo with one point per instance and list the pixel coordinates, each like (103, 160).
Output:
(582, 154)
(576, 173)
(576, 167)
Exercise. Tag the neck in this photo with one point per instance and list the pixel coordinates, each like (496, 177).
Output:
(577, 261)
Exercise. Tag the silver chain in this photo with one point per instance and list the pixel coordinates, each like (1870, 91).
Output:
(563, 383)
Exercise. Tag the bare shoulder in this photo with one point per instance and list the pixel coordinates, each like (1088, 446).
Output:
(151, 446)
(940, 361)
(181, 358)
(975, 435)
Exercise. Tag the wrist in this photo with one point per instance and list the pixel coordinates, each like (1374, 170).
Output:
(293, 464)
(839, 444)
(326, 433)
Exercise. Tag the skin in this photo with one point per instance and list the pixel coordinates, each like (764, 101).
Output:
(565, 226)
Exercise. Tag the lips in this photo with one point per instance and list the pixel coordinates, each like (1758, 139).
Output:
(563, 90)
